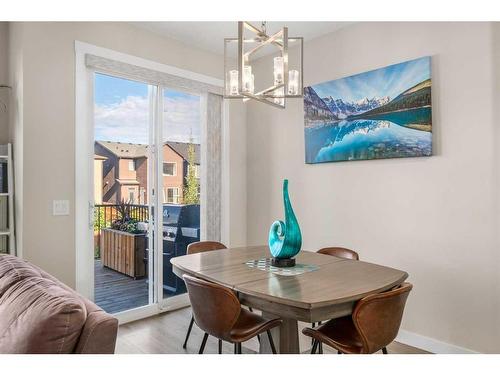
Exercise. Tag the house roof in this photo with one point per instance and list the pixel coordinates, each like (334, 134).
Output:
(182, 149)
(125, 150)
(133, 150)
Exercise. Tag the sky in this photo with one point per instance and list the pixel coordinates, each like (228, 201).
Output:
(121, 110)
(389, 81)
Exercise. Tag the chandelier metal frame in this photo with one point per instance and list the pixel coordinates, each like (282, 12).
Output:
(277, 93)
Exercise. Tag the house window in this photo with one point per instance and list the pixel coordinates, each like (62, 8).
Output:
(169, 169)
(131, 195)
(131, 165)
(171, 195)
(142, 195)
(196, 170)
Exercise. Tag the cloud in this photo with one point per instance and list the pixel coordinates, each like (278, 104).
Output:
(181, 118)
(128, 120)
(389, 81)
(123, 121)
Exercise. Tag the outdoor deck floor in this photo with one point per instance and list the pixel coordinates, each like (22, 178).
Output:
(115, 292)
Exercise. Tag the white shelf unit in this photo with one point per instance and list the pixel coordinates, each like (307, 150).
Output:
(7, 240)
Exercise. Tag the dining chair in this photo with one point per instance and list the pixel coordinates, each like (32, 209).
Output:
(194, 248)
(218, 312)
(340, 252)
(373, 325)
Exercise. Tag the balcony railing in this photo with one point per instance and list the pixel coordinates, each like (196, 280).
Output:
(105, 214)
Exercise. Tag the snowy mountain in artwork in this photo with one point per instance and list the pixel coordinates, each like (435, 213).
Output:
(343, 109)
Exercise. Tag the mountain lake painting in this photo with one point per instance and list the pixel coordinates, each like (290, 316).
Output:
(383, 113)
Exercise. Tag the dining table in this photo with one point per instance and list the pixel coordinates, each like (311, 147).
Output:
(328, 287)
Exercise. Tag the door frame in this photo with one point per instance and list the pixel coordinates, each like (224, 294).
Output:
(84, 151)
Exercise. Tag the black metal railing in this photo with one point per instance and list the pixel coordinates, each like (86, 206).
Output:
(105, 214)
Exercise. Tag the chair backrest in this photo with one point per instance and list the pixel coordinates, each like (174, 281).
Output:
(378, 317)
(340, 252)
(215, 307)
(202, 246)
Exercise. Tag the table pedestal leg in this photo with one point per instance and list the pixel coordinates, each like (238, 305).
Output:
(285, 337)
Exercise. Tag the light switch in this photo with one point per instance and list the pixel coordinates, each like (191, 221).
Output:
(60, 207)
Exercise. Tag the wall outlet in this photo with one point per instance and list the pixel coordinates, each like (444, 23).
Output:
(60, 208)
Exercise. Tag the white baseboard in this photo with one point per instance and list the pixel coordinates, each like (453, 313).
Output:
(430, 344)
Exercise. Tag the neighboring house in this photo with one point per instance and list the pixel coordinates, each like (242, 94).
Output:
(98, 181)
(175, 159)
(125, 170)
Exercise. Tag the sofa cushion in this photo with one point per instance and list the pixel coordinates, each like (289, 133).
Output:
(13, 270)
(38, 315)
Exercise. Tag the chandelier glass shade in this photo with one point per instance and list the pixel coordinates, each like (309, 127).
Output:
(284, 76)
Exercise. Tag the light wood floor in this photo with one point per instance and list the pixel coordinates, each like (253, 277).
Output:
(164, 334)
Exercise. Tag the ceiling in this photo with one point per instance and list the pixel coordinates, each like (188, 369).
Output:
(209, 36)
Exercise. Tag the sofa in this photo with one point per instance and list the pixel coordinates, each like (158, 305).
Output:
(39, 314)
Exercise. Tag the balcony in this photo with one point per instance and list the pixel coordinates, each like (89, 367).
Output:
(121, 256)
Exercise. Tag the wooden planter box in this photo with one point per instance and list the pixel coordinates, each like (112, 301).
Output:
(123, 252)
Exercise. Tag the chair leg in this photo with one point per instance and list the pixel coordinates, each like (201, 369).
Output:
(271, 341)
(339, 352)
(315, 345)
(238, 347)
(202, 347)
(250, 309)
(313, 324)
(220, 346)
(235, 348)
(188, 332)
(384, 350)
(320, 348)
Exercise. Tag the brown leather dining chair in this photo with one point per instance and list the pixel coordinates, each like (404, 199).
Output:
(194, 248)
(373, 325)
(218, 312)
(340, 252)
(204, 246)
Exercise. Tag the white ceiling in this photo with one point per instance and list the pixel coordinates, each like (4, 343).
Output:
(209, 36)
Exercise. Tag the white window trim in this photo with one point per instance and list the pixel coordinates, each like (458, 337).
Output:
(132, 190)
(175, 168)
(84, 150)
(131, 165)
(174, 196)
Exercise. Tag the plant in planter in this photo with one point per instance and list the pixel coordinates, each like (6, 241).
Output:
(125, 222)
(123, 245)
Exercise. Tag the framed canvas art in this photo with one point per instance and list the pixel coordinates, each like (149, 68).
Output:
(383, 113)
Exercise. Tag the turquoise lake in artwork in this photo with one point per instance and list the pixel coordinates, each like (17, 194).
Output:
(385, 113)
(364, 139)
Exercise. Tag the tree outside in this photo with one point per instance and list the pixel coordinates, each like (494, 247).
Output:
(192, 185)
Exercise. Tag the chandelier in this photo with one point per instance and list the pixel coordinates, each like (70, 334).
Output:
(286, 80)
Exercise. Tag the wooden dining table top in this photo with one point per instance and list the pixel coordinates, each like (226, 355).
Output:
(337, 281)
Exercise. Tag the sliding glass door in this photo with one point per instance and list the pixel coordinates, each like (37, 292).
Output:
(147, 160)
(179, 180)
(123, 186)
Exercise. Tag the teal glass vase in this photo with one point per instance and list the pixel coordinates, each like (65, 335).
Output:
(285, 239)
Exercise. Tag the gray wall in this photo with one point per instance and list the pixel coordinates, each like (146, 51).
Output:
(436, 217)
